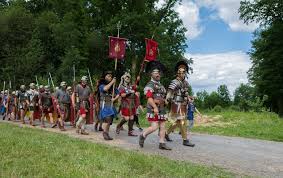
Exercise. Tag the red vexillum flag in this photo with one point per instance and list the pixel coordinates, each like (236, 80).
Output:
(117, 47)
(151, 49)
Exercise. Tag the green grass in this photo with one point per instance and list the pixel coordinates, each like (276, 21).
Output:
(265, 125)
(27, 152)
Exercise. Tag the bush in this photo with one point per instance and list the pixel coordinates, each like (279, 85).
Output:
(235, 108)
(217, 108)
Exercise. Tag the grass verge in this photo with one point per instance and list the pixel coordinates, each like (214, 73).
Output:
(265, 125)
(27, 152)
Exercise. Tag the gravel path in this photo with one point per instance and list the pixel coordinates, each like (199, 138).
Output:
(242, 156)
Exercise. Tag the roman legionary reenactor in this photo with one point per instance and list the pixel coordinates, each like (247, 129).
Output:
(4, 104)
(71, 116)
(32, 102)
(81, 98)
(22, 100)
(155, 93)
(63, 101)
(178, 98)
(46, 106)
(97, 121)
(12, 100)
(128, 107)
(106, 99)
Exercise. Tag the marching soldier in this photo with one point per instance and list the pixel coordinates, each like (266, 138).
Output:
(80, 99)
(46, 106)
(178, 97)
(32, 102)
(129, 95)
(63, 101)
(22, 100)
(155, 93)
(106, 99)
(12, 100)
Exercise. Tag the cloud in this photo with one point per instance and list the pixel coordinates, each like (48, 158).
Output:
(212, 70)
(189, 13)
(227, 10)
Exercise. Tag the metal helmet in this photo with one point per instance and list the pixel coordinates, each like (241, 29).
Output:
(46, 88)
(84, 78)
(69, 88)
(32, 85)
(6, 91)
(22, 87)
(41, 86)
(63, 84)
(13, 92)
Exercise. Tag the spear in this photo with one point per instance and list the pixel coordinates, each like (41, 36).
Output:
(37, 84)
(53, 86)
(90, 79)
(4, 86)
(74, 72)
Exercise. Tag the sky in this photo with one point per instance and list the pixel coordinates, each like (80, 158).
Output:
(218, 42)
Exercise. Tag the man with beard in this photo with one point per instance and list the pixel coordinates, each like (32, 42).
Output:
(32, 102)
(81, 98)
(63, 101)
(178, 98)
(106, 99)
(22, 98)
(155, 94)
(129, 95)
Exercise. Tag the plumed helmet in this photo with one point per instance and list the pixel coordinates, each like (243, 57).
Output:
(154, 66)
(182, 64)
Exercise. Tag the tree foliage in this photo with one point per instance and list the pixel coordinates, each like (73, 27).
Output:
(267, 49)
(41, 36)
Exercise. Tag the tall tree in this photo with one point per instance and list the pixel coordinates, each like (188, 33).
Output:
(267, 49)
(224, 95)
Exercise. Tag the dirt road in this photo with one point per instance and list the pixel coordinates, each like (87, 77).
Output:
(239, 155)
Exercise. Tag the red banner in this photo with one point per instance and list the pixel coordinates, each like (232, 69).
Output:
(151, 49)
(117, 47)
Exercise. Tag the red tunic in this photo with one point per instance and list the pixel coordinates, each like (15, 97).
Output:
(128, 103)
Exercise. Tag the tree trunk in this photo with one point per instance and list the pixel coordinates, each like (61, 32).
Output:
(134, 67)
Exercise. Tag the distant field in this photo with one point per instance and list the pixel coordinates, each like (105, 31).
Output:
(27, 152)
(265, 125)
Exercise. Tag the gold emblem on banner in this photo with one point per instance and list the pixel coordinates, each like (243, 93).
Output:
(151, 52)
(117, 47)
